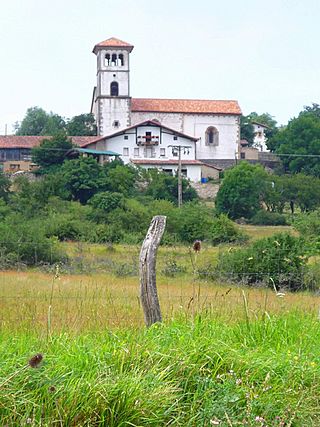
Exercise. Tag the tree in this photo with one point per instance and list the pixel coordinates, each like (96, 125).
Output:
(4, 186)
(246, 129)
(83, 177)
(300, 137)
(163, 186)
(82, 125)
(51, 152)
(241, 190)
(38, 122)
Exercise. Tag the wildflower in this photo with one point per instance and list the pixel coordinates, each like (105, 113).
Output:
(215, 422)
(35, 361)
(260, 419)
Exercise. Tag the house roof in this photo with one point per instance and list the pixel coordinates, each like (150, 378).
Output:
(144, 123)
(113, 42)
(195, 106)
(261, 124)
(88, 151)
(165, 162)
(17, 141)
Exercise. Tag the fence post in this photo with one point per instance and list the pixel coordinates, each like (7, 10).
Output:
(148, 257)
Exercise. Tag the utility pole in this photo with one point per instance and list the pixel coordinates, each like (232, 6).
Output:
(179, 149)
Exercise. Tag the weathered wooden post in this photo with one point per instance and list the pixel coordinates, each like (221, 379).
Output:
(148, 258)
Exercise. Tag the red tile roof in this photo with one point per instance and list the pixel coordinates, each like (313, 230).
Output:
(15, 141)
(166, 162)
(113, 42)
(196, 106)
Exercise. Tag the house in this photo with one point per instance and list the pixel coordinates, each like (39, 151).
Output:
(15, 151)
(215, 124)
(260, 139)
(150, 144)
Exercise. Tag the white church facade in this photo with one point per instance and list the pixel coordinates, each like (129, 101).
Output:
(210, 127)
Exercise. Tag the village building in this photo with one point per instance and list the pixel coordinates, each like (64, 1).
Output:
(214, 124)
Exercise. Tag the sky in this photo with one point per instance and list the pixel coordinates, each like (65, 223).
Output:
(263, 54)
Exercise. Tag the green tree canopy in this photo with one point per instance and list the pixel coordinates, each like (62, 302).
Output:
(83, 177)
(247, 130)
(163, 186)
(51, 152)
(38, 122)
(300, 137)
(241, 190)
(82, 125)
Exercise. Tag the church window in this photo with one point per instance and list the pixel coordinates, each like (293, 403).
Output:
(116, 124)
(162, 152)
(212, 136)
(107, 60)
(126, 137)
(114, 89)
(121, 60)
(136, 152)
(175, 138)
(114, 60)
(125, 151)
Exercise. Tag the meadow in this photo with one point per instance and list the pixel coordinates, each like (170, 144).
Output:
(224, 355)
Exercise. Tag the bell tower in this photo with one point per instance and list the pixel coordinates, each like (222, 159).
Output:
(111, 103)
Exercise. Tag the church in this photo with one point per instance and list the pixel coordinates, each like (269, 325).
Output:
(211, 128)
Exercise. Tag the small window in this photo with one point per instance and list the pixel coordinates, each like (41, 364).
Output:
(184, 172)
(175, 153)
(175, 138)
(126, 137)
(136, 152)
(107, 60)
(114, 89)
(116, 124)
(162, 152)
(242, 155)
(125, 151)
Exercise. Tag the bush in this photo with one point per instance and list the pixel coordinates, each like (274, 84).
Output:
(264, 217)
(223, 230)
(191, 222)
(26, 242)
(308, 226)
(278, 260)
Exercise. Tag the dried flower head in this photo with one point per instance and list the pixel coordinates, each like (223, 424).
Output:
(35, 360)
(52, 389)
(197, 246)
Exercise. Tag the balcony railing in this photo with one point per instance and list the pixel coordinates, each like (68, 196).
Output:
(147, 140)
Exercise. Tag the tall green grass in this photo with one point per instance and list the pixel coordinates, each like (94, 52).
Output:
(199, 372)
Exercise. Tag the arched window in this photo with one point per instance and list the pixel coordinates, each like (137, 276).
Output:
(107, 60)
(114, 89)
(212, 136)
(114, 60)
(121, 60)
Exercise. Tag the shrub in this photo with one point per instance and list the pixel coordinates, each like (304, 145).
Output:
(172, 268)
(26, 242)
(223, 230)
(191, 222)
(308, 226)
(277, 260)
(264, 217)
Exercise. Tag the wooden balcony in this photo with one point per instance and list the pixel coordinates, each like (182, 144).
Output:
(148, 140)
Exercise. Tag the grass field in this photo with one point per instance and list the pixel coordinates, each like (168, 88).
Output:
(225, 356)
